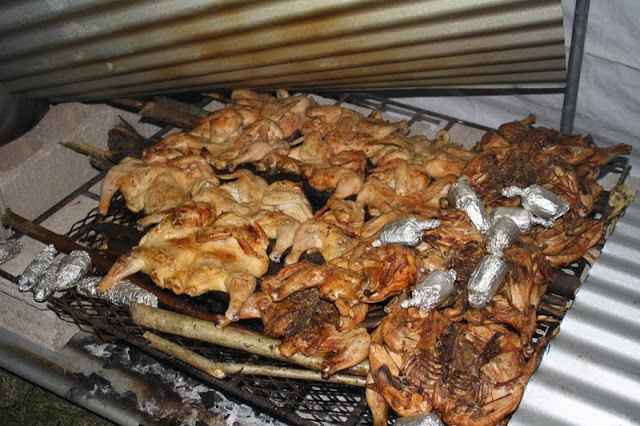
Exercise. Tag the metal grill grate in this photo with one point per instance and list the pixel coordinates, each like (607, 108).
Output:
(294, 401)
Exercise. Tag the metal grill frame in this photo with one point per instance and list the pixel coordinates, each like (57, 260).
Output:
(293, 401)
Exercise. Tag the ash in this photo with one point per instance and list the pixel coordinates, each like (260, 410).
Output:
(193, 394)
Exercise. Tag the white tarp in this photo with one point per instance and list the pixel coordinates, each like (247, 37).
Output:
(608, 105)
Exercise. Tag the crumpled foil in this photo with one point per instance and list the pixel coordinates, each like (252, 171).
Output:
(122, 294)
(485, 280)
(46, 284)
(72, 268)
(9, 249)
(428, 419)
(539, 201)
(406, 231)
(463, 197)
(432, 291)
(522, 217)
(502, 233)
(34, 271)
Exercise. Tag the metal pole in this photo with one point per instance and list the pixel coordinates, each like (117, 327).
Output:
(576, 52)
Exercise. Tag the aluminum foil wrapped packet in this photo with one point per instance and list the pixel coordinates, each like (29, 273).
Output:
(62, 274)
(485, 280)
(463, 197)
(502, 234)
(539, 201)
(9, 249)
(72, 268)
(432, 291)
(36, 269)
(428, 419)
(122, 294)
(522, 217)
(46, 284)
(406, 231)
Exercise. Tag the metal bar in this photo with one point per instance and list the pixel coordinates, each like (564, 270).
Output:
(576, 53)
(48, 370)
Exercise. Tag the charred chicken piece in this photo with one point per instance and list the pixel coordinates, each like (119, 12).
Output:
(309, 325)
(387, 270)
(522, 155)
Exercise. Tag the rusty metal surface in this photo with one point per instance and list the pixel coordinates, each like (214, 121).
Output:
(98, 49)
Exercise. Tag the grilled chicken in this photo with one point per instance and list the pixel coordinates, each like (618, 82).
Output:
(192, 252)
(309, 325)
(470, 365)
(151, 187)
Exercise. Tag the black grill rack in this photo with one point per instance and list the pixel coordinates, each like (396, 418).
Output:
(293, 401)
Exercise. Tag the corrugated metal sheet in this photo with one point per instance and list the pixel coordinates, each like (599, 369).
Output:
(97, 49)
(591, 375)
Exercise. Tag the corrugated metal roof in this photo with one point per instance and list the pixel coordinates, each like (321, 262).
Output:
(97, 49)
(591, 374)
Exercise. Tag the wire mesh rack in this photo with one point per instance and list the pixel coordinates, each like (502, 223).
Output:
(293, 401)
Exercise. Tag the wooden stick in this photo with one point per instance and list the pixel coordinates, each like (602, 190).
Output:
(99, 158)
(157, 111)
(220, 369)
(86, 149)
(102, 264)
(229, 337)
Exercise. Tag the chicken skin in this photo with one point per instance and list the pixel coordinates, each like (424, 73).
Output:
(192, 252)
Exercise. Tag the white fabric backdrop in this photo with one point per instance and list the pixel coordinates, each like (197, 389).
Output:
(608, 105)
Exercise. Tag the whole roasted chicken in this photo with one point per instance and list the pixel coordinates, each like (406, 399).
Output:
(192, 252)
(154, 186)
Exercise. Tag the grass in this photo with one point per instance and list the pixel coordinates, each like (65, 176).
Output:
(22, 403)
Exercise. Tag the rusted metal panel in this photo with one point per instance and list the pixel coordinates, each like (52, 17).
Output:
(97, 49)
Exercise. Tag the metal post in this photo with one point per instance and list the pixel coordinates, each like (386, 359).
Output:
(576, 52)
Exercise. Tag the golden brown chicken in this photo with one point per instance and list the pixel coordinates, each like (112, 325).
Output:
(151, 187)
(329, 240)
(193, 252)
(278, 208)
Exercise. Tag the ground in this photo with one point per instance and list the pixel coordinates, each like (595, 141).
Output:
(22, 403)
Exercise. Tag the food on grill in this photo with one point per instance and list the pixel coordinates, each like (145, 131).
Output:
(365, 274)
(278, 208)
(317, 235)
(192, 252)
(432, 291)
(455, 304)
(485, 280)
(36, 269)
(523, 218)
(464, 197)
(124, 293)
(501, 234)
(63, 274)
(311, 326)
(154, 186)
(469, 364)
(567, 165)
(539, 201)
(406, 231)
